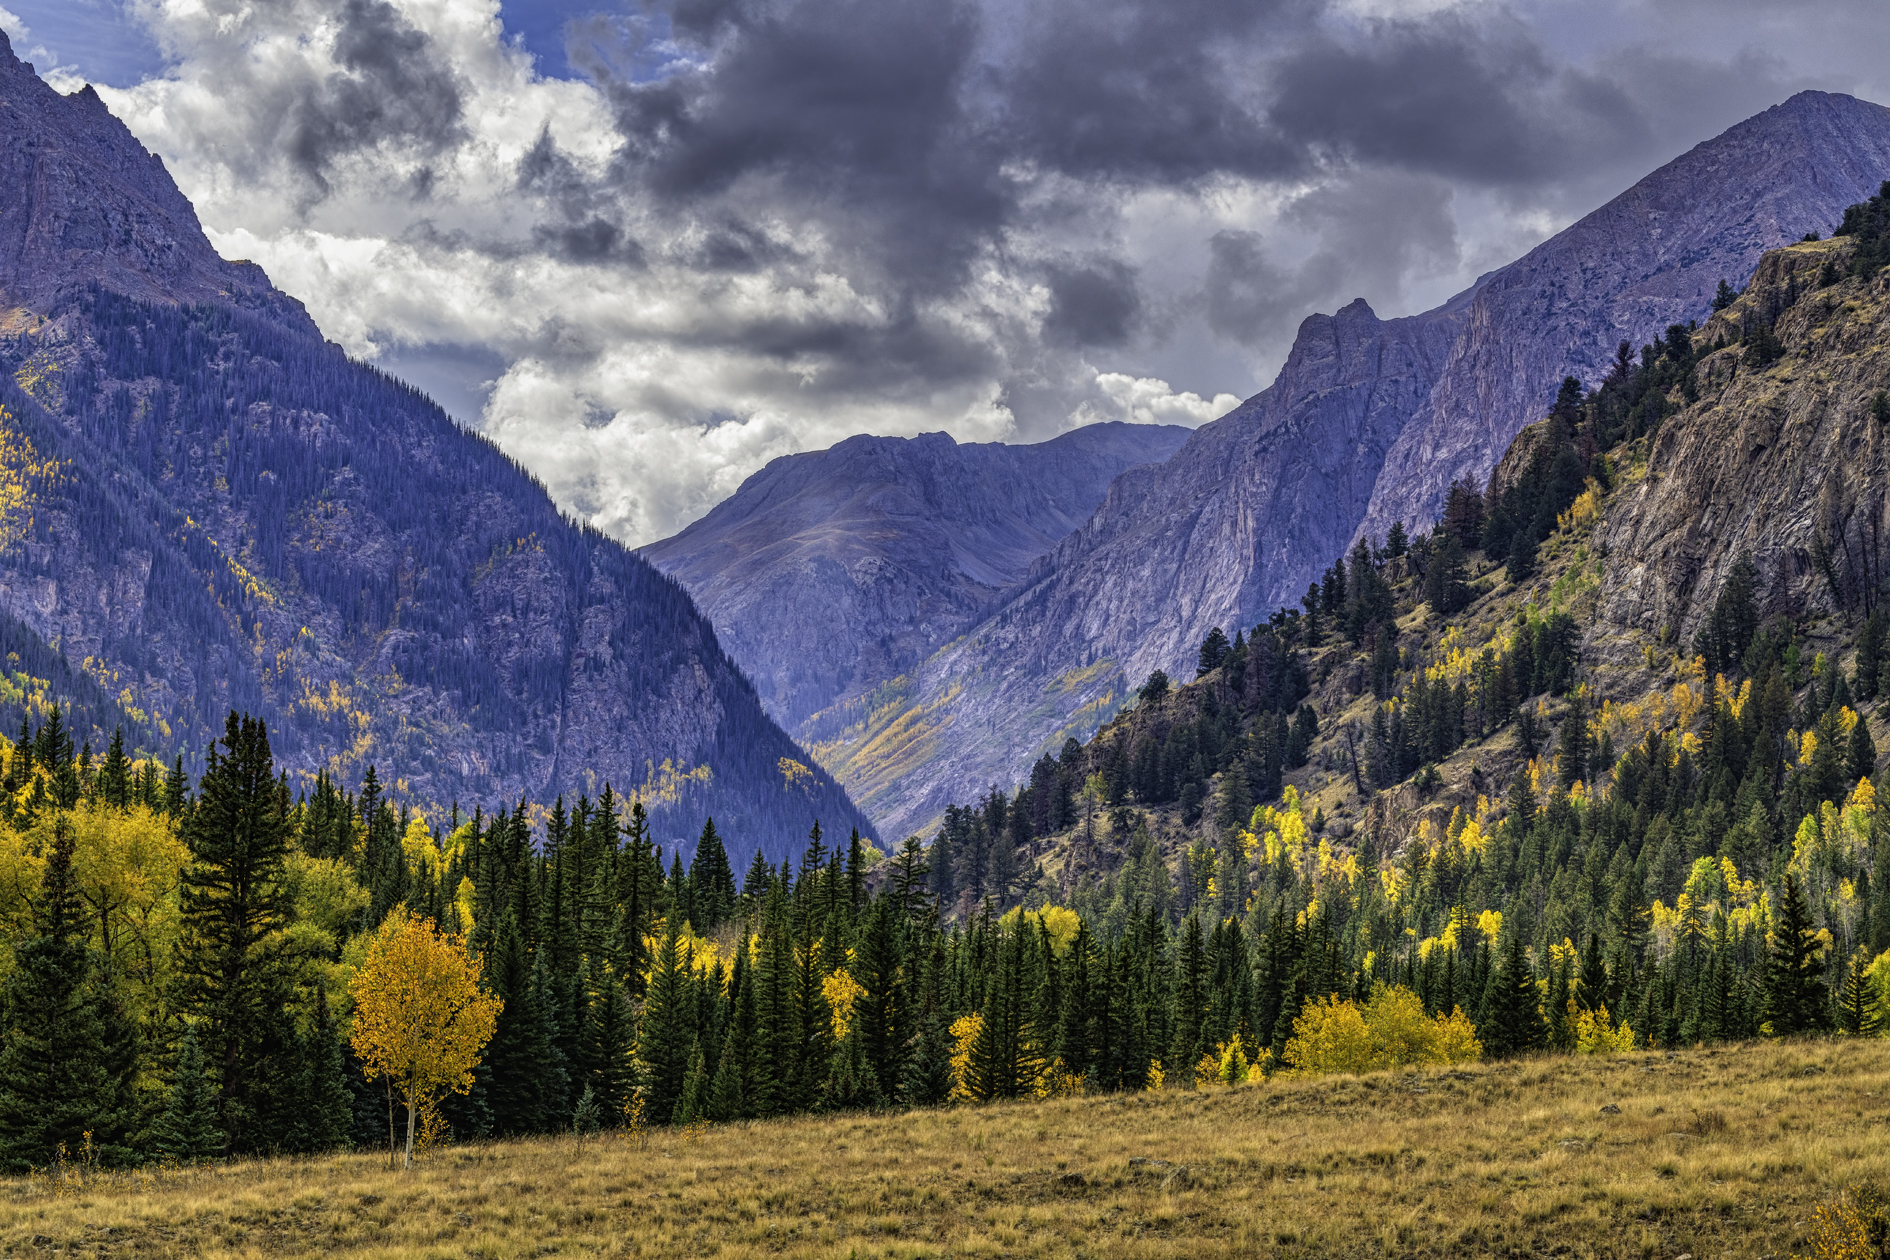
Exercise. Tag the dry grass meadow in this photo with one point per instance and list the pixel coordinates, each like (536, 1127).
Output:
(1711, 1153)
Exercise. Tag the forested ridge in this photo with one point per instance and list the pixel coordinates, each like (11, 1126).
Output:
(219, 512)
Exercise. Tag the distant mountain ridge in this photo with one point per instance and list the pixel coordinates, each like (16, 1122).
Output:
(1368, 422)
(829, 572)
(222, 510)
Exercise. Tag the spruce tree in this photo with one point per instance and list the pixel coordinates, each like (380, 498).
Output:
(711, 881)
(1514, 1022)
(609, 1047)
(187, 1130)
(881, 1008)
(235, 969)
(520, 1053)
(64, 1063)
(324, 1106)
(1795, 996)
(1191, 1000)
(666, 1040)
(1859, 1012)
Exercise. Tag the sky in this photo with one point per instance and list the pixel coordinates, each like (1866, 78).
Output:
(649, 246)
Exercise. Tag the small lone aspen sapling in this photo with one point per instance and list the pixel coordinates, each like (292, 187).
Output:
(420, 1019)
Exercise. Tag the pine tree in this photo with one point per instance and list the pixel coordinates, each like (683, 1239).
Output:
(114, 777)
(324, 1107)
(928, 1077)
(64, 1063)
(711, 881)
(1191, 998)
(1794, 986)
(1513, 1020)
(666, 1040)
(609, 1046)
(1859, 1012)
(234, 966)
(187, 1131)
(1004, 1059)
(520, 1053)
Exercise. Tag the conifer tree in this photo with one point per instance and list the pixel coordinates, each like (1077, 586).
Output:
(1004, 1059)
(187, 1130)
(234, 967)
(666, 1039)
(609, 1046)
(114, 777)
(1795, 996)
(520, 1054)
(711, 882)
(1859, 1013)
(323, 1112)
(881, 1008)
(1514, 1022)
(64, 1062)
(1191, 998)
(928, 1075)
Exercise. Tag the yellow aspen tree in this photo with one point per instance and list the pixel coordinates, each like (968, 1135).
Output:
(420, 1018)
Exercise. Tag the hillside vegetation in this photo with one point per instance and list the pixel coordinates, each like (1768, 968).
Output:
(1711, 1152)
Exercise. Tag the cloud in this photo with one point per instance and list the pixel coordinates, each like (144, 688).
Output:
(1149, 401)
(750, 227)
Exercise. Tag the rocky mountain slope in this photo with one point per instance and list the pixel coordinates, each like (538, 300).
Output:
(1256, 504)
(1651, 257)
(1781, 455)
(830, 572)
(1786, 463)
(203, 505)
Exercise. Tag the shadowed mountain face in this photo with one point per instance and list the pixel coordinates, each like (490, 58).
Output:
(222, 510)
(1369, 422)
(831, 572)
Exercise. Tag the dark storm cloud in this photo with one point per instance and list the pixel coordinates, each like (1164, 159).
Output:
(1092, 304)
(391, 87)
(1480, 101)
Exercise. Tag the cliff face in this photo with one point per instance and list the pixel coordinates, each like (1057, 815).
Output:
(830, 572)
(1181, 545)
(1651, 257)
(1369, 422)
(218, 509)
(85, 202)
(1783, 463)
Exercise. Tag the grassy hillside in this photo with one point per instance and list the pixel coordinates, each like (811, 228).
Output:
(1712, 1152)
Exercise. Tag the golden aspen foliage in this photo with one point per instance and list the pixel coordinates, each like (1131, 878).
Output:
(1595, 1032)
(1390, 1030)
(965, 1032)
(420, 1018)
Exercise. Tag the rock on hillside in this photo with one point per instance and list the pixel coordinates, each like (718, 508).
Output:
(1255, 505)
(222, 510)
(830, 572)
(1651, 257)
(1785, 463)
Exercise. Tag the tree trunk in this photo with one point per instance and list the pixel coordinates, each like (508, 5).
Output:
(411, 1108)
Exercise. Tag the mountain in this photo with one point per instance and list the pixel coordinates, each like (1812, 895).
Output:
(1783, 463)
(829, 572)
(208, 506)
(1255, 505)
(1651, 257)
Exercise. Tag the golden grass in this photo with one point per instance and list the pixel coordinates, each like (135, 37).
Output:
(1712, 1152)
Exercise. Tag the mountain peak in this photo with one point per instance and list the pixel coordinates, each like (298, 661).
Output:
(90, 205)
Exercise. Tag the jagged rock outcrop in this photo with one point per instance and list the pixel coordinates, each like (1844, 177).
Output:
(1785, 463)
(1256, 504)
(830, 572)
(219, 509)
(1651, 257)
(85, 202)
